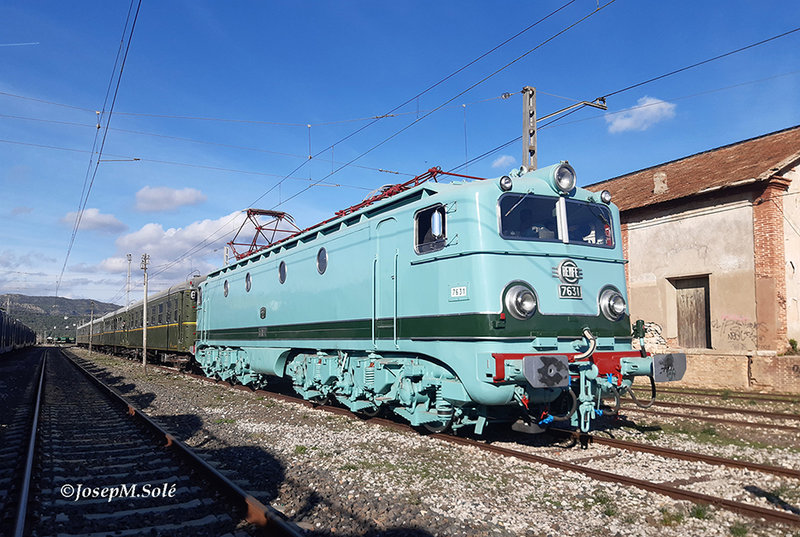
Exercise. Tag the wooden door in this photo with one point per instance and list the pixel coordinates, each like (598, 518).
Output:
(693, 313)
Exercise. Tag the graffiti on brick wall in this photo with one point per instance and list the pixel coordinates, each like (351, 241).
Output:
(653, 340)
(740, 332)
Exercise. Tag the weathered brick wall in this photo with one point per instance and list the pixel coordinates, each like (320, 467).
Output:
(624, 232)
(770, 273)
(762, 371)
(775, 373)
(716, 371)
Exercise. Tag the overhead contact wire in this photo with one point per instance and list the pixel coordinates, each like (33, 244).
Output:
(103, 142)
(378, 118)
(481, 81)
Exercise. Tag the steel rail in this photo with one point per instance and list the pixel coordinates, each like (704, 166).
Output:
(265, 517)
(678, 454)
(725, 421)
(723, 410)
(659, 488)
(777, 398)
(22, 509)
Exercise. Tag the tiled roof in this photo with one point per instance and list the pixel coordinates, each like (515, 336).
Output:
(732, 165)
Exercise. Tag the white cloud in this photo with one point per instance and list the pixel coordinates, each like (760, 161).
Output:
(94, 219)
(205, 240)
(644, 115)
(504, 162)
(162, 198)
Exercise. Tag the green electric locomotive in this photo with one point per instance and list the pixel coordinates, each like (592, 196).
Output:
(448, 304)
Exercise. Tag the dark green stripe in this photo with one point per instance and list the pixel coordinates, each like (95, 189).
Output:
(475, 325)
(522, 254)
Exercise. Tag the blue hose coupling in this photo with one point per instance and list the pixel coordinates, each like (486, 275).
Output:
(547, 420)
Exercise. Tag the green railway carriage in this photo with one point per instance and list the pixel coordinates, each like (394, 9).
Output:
(14, 334)
(171, 322)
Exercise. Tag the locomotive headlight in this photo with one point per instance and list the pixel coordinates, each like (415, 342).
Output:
(564, 176)
(506, 183)
(612, 304)
(605, 197)
(521, 302)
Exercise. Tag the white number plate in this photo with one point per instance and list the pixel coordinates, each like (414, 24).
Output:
(569, 291)
(458, 292)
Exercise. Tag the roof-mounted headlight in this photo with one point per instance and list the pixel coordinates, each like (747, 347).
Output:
(564, 178)
(605, 197)
(506, 183)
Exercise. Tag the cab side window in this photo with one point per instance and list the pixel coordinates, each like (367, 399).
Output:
(430, 232)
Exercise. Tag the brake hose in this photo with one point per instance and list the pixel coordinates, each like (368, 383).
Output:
(592, 346)
(652, 400)
(615, 410)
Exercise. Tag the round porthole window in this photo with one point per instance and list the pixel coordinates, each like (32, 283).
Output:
(247, 282)
(282, 272)
(225, 288)
(322, 260)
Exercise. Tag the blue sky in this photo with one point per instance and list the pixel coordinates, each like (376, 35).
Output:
(272, 68)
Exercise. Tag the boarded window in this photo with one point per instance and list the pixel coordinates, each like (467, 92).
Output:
(694, 312)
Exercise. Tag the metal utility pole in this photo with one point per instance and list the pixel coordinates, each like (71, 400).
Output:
(145, 261)
(91, 328)
(529, 122)
(529, 127)
(128, 299)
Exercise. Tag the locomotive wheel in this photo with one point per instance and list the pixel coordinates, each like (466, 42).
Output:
(438, 426)
(321, 400)
(370, 412)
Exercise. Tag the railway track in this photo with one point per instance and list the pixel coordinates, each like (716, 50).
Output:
(97, 466)
(727, 394)
(18, 373)
(673, 491)
(711, 419)
(730, 410)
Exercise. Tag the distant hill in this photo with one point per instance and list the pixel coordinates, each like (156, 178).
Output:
(42, 313)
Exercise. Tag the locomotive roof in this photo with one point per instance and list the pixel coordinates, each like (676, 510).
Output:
(394, 196)
(346, 218)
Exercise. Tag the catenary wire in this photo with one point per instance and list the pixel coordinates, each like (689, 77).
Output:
(709, 60)
(193, 165)
(410, 100)
(103, 142)
(191, 140)
(481, 81)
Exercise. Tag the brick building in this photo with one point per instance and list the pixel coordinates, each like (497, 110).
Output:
(713, 242)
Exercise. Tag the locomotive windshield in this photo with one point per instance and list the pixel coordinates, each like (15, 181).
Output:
(529, 217)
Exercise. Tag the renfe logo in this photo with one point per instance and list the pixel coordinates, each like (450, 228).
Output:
(568, 272)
